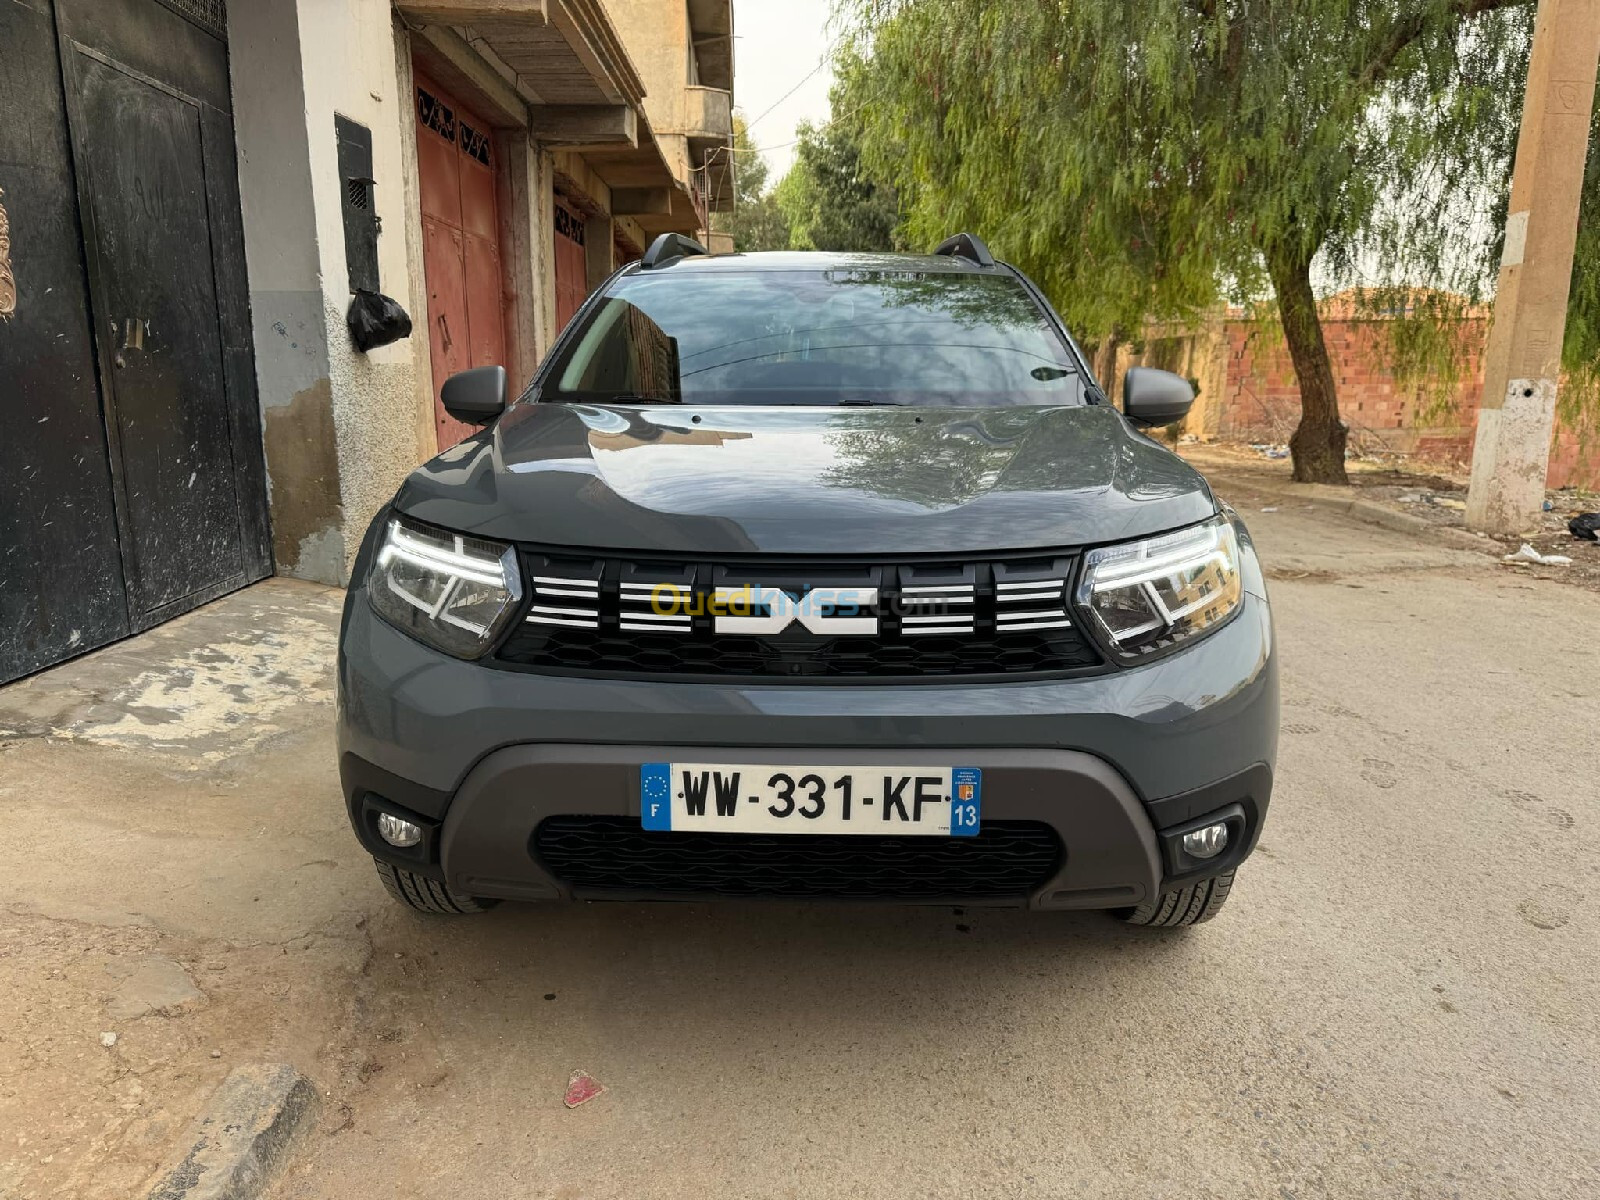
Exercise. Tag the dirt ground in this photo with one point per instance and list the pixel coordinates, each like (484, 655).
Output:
(1423, 492)
(1398, 999)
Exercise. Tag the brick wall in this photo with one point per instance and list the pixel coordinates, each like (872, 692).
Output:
(1253, 396)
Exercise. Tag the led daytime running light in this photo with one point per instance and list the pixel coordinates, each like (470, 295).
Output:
(425, 554)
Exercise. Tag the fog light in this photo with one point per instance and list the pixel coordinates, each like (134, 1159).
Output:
(403, 833)
(1203, 843)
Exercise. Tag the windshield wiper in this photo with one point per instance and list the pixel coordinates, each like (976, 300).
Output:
(625, 398)
(858, 402)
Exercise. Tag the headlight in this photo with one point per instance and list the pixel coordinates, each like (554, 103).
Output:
(1146, 597)
(449, 590)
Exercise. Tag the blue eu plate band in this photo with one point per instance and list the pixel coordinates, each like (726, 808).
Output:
(655, 795)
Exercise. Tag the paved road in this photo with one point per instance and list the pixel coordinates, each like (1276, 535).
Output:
(1398, 999)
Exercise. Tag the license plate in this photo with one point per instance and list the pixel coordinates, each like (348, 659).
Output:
(741, 798)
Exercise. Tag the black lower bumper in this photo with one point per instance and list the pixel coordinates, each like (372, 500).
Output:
(1062, 830)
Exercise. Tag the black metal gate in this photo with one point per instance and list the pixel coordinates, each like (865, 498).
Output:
(131, 475)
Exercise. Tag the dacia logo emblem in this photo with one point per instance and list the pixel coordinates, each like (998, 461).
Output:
(765, 611)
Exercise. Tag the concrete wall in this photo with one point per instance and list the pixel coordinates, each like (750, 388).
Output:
(342, 428)
(286, 299)
(349, 53)
(656, 34)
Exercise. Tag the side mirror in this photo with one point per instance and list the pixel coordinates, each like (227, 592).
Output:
(477, 396)
(1151, 397)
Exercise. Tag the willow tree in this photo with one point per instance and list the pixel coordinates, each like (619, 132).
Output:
(1142, 158)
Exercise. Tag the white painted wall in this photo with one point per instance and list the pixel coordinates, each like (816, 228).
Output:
(349, 55)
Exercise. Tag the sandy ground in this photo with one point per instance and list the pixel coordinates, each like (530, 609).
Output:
(1398, 999)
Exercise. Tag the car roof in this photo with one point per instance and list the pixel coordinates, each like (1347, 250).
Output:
(819, 260)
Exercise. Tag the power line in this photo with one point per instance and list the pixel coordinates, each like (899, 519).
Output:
(821, 62)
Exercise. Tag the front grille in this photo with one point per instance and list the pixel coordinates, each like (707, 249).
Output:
(1007, 860)
(903, 620)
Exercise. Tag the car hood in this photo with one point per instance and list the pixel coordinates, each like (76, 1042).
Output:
(799, 480)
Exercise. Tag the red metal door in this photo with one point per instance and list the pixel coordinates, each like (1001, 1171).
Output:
(460, 243)
(572, 265)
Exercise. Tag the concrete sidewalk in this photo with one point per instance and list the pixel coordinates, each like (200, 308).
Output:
(1397, 1000)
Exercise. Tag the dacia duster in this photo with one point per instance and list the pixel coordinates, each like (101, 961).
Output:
(820, 576)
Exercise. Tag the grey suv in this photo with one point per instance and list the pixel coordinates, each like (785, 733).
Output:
(820, 576)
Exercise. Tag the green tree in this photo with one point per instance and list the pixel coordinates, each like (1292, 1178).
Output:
(833, 201)
(1140, 158)
(1580, 352)
(756, 222)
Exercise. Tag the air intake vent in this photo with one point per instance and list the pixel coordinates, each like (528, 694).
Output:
(1008, 860)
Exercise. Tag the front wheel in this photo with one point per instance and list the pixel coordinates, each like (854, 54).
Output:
(424, 894)
(1199, 901)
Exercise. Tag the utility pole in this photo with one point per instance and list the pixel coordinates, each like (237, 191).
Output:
(1523, 360)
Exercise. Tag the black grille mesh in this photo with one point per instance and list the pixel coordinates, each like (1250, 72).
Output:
(210, 15)
(578, 621)
(1007, 860)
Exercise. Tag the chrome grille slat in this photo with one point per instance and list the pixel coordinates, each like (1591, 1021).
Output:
(551, 596)
(938, 617)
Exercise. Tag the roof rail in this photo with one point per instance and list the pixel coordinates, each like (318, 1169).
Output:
(669, 248)
(968, 246)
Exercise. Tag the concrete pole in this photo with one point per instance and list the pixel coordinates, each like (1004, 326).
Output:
(1511, 454)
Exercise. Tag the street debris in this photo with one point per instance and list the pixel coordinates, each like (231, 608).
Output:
(1529, 555)
(1585, 526)
(1270, 451)
(108, 1039)
(1433, 500)
(1270, 508)
(581, 1088)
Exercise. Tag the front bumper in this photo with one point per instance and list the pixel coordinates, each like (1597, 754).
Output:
(480, 756)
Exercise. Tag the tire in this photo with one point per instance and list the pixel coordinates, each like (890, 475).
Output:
(426, 895)
(1185, 906)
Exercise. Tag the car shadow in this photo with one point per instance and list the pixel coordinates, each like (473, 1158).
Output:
(677, 976)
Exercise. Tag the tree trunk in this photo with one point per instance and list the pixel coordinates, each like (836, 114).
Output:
(1317, 446)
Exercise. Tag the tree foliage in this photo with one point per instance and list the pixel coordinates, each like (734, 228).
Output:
(1142, 158)
(1580, 352)
(757, 222)
(832, 200)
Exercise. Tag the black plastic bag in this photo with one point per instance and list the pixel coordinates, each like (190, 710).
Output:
(1585, 526)
(376, 320)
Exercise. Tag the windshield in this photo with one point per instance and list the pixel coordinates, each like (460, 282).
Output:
(849, 336)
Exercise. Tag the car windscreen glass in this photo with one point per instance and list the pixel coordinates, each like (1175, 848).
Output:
(815, 337)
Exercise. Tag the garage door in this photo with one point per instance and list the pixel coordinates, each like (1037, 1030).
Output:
(460, 243)
(131, 436)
